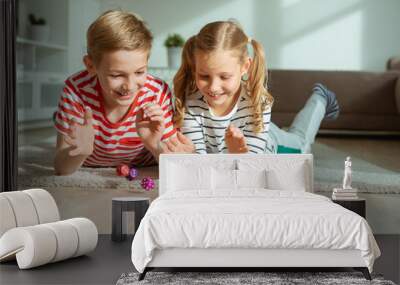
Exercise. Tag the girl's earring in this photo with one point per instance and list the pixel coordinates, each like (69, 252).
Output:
(245, 77)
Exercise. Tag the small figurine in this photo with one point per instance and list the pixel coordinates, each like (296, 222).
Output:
(147, 183)
(347, 174)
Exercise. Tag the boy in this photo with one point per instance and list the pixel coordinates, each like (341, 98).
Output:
(114, 112)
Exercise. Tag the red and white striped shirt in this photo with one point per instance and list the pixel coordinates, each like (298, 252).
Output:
(119, 142)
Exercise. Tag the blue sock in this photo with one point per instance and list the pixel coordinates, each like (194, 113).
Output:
(332, 105)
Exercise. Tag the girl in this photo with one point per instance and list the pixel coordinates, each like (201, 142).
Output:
(221, 101)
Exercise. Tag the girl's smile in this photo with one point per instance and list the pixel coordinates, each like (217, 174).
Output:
(214, 96)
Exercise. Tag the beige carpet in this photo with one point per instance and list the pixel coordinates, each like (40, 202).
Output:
(370, 174)
(40, 173)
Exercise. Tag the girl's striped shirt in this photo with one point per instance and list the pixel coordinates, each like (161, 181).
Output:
(119, 142)
(207, 131)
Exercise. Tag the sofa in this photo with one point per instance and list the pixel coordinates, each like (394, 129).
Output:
(393, 63)
(369, 101)
(32, 233)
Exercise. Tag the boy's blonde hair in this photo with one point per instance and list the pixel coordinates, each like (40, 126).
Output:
(223, 35)
(115, 30)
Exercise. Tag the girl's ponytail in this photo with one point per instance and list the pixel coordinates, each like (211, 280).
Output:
(257, 85)
(184, 82)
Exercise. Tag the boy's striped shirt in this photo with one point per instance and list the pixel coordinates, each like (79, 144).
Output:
(119, 142)
(207, 131)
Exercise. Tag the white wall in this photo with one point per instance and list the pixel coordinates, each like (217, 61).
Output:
(340, 34)
(296, 34)
(88, 11)
(182, 16)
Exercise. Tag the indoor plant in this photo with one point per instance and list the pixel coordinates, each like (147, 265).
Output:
(39, 29)
(174, 44)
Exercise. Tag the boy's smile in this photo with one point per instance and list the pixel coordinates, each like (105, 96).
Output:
(121, 73)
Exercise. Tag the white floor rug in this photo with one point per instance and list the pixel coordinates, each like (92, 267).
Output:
(36, 170)
(367, 177)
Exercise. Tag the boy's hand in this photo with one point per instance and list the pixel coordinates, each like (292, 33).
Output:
(235, 140)
(81, 137)
(178, 144)
(150, 124)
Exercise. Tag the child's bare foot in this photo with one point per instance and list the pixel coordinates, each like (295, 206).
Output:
(235, 140)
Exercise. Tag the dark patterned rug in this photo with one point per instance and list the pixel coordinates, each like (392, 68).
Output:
(269, 278)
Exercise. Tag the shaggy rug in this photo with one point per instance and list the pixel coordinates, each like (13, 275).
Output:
(270, 278)
(36, 170)
(367, 177)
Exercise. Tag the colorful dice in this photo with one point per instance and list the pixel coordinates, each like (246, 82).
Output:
(132, 173)
(123, 170)
(147, 183)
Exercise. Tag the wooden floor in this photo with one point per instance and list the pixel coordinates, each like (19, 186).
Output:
(111, 259)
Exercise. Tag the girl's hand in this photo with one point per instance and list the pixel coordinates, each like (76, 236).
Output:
(150, 124)
(235, 140)
(178, 144)
(81, 137)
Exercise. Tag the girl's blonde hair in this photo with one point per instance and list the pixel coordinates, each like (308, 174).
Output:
(115, 30)
(223, 35)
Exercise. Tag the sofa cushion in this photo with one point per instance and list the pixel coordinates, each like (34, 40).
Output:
(397, 95)
(367, 99)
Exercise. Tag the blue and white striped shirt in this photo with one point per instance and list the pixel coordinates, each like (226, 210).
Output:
(207, 131)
